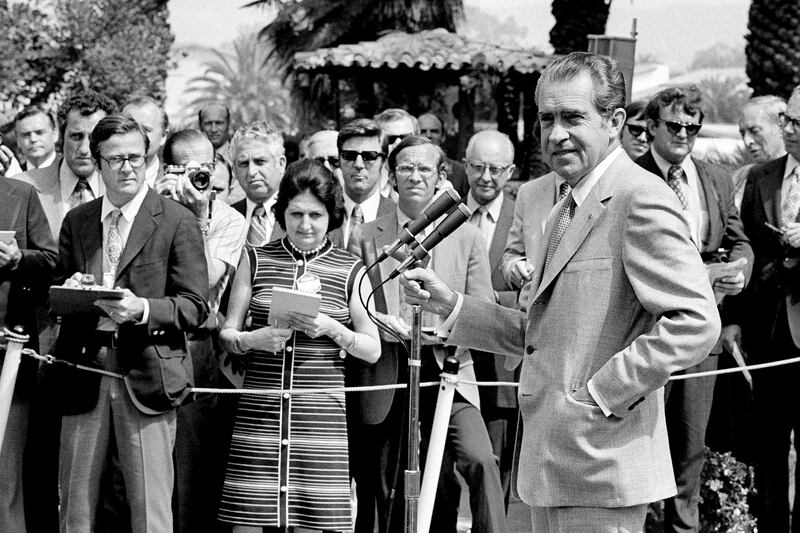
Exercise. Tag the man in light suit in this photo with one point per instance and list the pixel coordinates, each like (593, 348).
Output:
(152, 248)
(620, 300)
(259, 161)
(769, 314)
(417, 171)
(489, 165)
(674, 116)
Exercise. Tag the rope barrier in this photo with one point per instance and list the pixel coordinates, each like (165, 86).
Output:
(49, 359)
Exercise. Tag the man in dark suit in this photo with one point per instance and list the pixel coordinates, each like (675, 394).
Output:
(417, 171)
(490, 164)
(152, 248)
(27, 262)
(674, 117)
(769, 314)
(259, 161)
(37, 135)
(432, 127)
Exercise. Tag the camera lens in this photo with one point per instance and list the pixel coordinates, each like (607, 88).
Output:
(200, 179)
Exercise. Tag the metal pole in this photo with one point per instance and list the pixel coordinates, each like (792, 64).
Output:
(412, 470)
(436, 442)
(8, 376)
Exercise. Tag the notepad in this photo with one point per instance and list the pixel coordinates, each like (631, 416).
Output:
(290, 300)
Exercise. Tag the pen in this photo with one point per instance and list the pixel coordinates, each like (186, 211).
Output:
(774, 228)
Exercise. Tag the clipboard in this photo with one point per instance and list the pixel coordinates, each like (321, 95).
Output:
(78, 301)
(289, 300)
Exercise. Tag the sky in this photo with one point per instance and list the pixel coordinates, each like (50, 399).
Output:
(671, 30)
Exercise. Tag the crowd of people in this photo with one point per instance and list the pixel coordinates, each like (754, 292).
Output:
(629, 262)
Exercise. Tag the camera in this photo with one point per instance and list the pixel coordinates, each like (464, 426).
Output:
(199, 177)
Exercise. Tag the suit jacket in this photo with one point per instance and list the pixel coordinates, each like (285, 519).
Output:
(164, 262)
(625, 302)
(725, 229)
(241, 207)
(461, 260)
(535, 200)
(337, 236)
(489, 367)
(457, 176)
(777, 274)
(23, 290)
(48, 183)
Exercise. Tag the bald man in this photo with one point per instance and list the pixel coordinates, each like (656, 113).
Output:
(322, 147)
(432, 127)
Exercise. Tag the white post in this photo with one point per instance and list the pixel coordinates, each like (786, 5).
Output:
(8, 376)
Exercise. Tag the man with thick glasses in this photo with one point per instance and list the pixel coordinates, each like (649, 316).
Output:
(416, 169)
(134, 239)
(635, 140)
(770, 318)
(674, 117)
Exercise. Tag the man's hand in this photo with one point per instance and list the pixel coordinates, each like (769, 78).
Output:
(10, 255)
(791, 234)
(730, 285)
(130, 308)
(167, 185)
(731, 335)
(433, 295)
(521, 273)
(6, 158)
(195, 200)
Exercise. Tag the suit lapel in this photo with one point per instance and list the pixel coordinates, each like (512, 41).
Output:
(712, 204)
(92, 240)
(498, 245)
(11, 205)
(144, 225)
(770, 184)
(386, 235)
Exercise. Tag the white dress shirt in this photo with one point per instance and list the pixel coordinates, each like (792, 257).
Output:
(68, 180)
(369, 208)
(269, 219)
(492, 214)
(697, 211)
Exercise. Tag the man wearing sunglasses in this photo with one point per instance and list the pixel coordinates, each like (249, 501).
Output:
(674, 118)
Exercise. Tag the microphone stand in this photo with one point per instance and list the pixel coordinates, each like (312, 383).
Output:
(412, 474)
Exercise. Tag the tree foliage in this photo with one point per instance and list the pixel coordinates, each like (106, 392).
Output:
(576, 20)
(720, 55)
(773, 47)
(52, 47)
(245, 81)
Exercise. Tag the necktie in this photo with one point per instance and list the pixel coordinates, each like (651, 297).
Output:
(357, 216)
(675, 179)
(563, 218)
(791, 204)
(258, 226)
(478, 217)
(563, 190)
(113, 243)
(80, 194)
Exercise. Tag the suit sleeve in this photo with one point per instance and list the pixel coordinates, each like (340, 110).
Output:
(735, 238)
(515, 243)
(669, 280)
(185, 304)
(40, 255)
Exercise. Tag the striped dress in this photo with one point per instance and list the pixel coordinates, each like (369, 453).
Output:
(288, 464)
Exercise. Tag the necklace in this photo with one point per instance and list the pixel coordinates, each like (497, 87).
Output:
(313, 251)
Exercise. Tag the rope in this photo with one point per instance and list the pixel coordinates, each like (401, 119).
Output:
(49, 359)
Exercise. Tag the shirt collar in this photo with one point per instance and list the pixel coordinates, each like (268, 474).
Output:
(46, 163)
(129, 210)
(251, 205)
(68, 181)
(791, 163)
(369, 207)
(493, 207)
(663, 165)
(581, 191)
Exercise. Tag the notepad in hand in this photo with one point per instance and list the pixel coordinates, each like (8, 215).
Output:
(290, 300)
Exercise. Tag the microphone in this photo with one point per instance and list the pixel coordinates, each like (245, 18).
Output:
(443, 203)
(458, 216)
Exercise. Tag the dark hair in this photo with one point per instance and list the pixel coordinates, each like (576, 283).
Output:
(141, 100)
(205, 107)
(32, 110)
(635, 108)
(116, 124)
(608, 83)
(360, 127)
(86, 103)
(310, 175)
(414, 140)
(187, 136)
(688, 98)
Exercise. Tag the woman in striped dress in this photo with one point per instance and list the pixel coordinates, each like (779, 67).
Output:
(287, 466)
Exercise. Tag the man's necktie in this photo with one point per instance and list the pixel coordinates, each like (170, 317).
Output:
(564, 216)
(675, 179)
(80, 194)
(478, 217)
(357, 216)
(113, 243)
(563, 190)
(258, 226)
(791, 204)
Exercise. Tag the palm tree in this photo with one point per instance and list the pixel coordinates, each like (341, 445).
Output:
(245, 80)
(773, 47)
(574, 21)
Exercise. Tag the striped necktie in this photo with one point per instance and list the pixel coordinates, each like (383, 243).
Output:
(563, 219)
(676, 177)
(791, 204)
(257, 234)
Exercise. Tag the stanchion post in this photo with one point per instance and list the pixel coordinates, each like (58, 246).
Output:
(8, 376)
(436, 442)
(412, 470)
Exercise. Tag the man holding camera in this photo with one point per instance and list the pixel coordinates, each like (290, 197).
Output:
(188, 177)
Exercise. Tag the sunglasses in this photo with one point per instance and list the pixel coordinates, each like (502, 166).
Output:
(368, 156)
(675, 127)
(786, 120)
(332, 160)
(635, 130)
(391, 139)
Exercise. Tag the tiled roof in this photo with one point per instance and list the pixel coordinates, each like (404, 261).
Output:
(436, 49)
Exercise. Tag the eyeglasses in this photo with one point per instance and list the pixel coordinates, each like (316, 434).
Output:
(369, 156)
(479, 168)
(406, 171)
(117, 161)
(786, 120)
(675, 127)
(635, 130)
(332, 160)
(391, 139)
